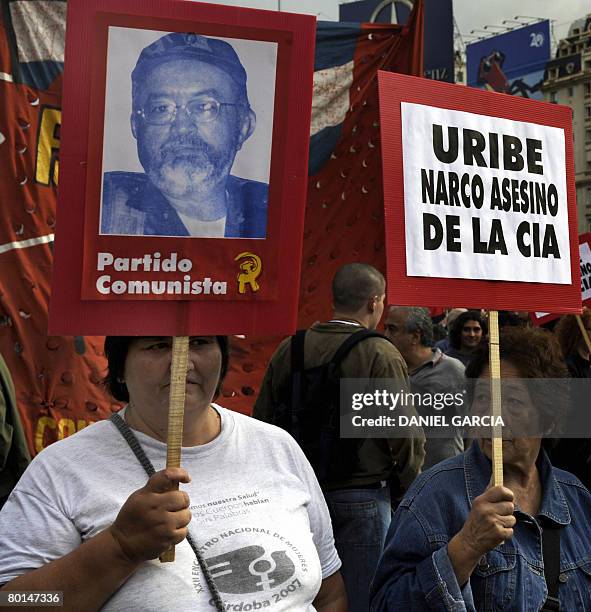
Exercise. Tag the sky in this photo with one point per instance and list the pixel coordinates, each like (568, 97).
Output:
(469, 14)
(475, 14)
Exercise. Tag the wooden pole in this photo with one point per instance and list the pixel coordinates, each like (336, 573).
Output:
(176, 411)
(495, 383)
(584, 332)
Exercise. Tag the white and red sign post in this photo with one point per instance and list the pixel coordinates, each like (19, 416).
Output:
(479, 204)
(125, 262)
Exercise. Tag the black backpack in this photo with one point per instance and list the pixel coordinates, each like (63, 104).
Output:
(309, 410)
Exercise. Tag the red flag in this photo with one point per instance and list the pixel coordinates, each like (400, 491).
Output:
(57, 380)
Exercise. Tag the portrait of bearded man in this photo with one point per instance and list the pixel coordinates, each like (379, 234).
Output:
(190, 116)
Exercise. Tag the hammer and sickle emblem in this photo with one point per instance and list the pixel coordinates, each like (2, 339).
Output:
(251, 268)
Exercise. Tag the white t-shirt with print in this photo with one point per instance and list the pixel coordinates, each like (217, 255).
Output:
(259, 517)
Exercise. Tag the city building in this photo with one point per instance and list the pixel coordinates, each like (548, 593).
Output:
(568, 81)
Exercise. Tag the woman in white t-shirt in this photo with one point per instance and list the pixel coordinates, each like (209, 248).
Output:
(250, 524)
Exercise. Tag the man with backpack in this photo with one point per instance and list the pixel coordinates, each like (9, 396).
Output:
(300, 393)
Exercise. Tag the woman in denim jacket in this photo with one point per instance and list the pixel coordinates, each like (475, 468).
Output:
(456, 543)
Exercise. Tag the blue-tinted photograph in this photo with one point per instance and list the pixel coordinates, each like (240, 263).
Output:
(187, 138)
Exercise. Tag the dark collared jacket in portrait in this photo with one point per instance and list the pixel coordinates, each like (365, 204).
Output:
(133, 206)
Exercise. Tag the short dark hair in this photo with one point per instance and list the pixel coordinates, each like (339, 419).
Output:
(354, 284)
(116, 348)
(508, 318)
(455, 333)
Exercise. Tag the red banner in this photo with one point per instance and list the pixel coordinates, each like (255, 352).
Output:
(57, 379)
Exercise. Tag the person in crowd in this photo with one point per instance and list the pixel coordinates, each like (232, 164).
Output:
(524, 317)
(14, 454)
(431, 373)
(250, 525)
(573, 345)
(447, 322)
(459, 543)
(359, 500)
(466, 334)
(510, 318)
(574, 454)
(439, 333)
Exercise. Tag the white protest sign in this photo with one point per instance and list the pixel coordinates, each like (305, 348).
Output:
(484, 197)
(585, 267)
(585, 263)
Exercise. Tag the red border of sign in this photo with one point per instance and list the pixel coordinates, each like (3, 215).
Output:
(80, 163)
(219, 254)
(493, 295)
(586, 237)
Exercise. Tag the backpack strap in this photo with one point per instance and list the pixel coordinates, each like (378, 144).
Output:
(351, 341)
(297, 371)
(297, 351)
(131, 439)
(551, 556)
(298, 366)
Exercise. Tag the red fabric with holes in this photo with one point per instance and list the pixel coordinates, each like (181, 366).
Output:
(345, 208)
(58, 390)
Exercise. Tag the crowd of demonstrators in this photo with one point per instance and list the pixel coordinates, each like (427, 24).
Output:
(430, 372)
(93, 511)
(458, 543)
(479, 547)
(467, 333)
(359, 498)
(574, 454)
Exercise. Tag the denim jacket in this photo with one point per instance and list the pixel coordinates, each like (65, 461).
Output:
(415, 572)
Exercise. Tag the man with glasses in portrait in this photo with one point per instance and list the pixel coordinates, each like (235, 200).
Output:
(190, 116)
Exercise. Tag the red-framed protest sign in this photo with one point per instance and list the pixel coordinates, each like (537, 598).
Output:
(183, 165)
(479, 198)
(539, 318)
